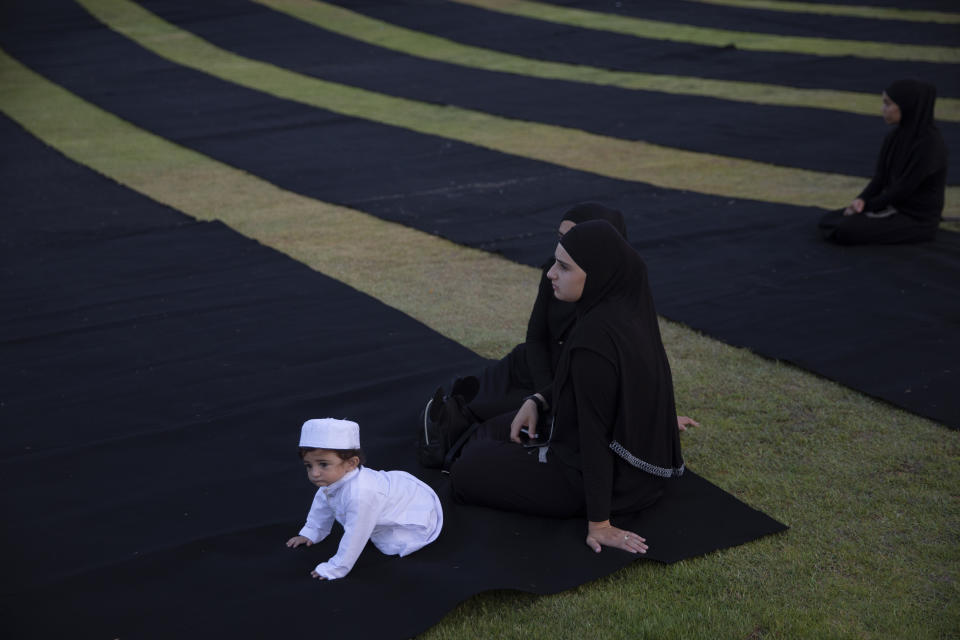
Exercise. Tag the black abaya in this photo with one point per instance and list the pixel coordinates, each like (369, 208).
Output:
(613, 438)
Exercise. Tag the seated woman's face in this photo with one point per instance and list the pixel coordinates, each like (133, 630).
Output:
(891, 112)
(567, 278)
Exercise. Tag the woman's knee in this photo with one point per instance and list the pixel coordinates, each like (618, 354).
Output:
(506, 476)
(470, 475)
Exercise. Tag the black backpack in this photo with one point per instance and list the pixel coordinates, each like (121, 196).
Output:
(446, 424)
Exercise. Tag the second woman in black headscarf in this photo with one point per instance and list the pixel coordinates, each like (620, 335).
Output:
(503, 385)
(904, 200)
(613, 438)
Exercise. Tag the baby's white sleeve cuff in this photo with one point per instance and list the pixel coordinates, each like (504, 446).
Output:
(331, 571)
(312, 533)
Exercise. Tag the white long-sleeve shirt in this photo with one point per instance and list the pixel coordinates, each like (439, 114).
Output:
(396, 511)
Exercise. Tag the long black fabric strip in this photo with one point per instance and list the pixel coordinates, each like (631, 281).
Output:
(788, 136)
(538, 39)
(787, 295)
(156, 371)
(784, 23)
(880, 319)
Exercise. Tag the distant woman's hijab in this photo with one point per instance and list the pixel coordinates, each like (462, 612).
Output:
(916, 101)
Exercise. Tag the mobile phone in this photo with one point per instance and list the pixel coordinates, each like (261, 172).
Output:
(527, 441)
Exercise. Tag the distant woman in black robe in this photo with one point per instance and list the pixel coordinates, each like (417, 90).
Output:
(602, 438)
(904, 200)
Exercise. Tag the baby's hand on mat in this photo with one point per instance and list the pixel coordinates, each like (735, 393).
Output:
(296, 541)
(314, 574)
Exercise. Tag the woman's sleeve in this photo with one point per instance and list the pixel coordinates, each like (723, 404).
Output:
(538, 337)
(922, 162)
(595, 387)
(876, 182)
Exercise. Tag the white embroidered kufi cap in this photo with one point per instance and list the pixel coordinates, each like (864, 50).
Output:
(330, 433)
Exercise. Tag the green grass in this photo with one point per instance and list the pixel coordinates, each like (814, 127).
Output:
(870, 492)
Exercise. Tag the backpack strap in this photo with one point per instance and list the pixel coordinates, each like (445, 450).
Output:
(454, 450)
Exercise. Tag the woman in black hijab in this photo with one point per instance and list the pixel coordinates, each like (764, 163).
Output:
(613, 438)
(904, 200)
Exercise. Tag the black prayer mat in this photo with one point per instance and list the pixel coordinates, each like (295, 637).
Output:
(156, 373)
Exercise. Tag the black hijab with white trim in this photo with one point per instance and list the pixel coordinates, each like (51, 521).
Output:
(617, 320)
